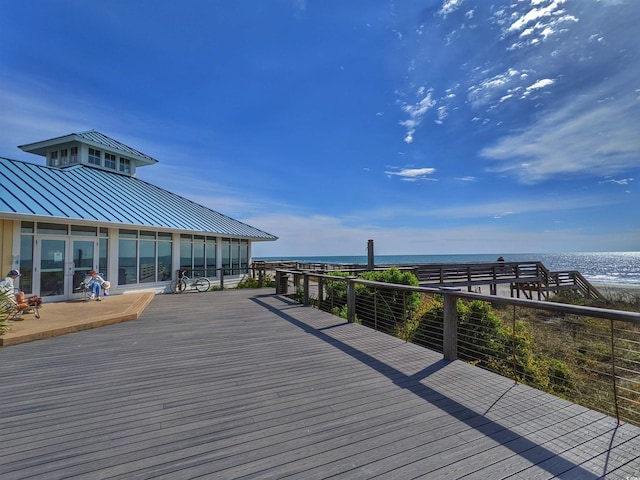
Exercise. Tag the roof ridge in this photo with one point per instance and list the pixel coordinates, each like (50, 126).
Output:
(99, 137)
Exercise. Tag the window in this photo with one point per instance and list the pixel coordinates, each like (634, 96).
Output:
(26, 257)
(165, 249)
(74, 155)
(186, 258)
(103, 259)
(128, 257)
(64, 158)
(52, 229)
(198, 255)
(53, 160)
(226, 255)
(147, 272)
(27, 227)
(244, 256)
(83, 230)
(125, 165)
(94, 156)
(145, 257)
(210, 252)
(235, 256)
(110, 161)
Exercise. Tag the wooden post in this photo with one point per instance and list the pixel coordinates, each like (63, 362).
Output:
(450, 328)
(305, 283)
(370, 257)
(351, 301)
(278, 273)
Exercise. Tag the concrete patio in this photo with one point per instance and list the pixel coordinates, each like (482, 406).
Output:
(60, 318)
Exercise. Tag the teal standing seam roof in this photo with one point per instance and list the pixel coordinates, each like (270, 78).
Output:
(31, 189)
(101, 138)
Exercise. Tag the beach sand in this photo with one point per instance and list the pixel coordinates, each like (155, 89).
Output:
(611, 292)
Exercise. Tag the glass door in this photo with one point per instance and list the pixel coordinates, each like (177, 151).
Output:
(64, 263)
(53, 254)
(83, 260)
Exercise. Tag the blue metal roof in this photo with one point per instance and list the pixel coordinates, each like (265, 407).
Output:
(101, 138)
(30, 189)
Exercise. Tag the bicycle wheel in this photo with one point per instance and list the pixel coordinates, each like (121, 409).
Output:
(178, 286)
(202, 284)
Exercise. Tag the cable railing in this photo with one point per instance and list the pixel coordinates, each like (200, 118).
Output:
(588, 355)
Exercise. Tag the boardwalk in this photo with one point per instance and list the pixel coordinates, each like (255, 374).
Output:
(244, 384)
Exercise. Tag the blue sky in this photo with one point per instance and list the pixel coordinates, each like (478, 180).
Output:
(449, 126)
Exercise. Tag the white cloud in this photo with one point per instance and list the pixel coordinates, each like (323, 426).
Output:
(449, 6)
(487, 90)
(622, 181)
(573, 140)
(412, 174)
(536, 14)
(416, 113)
(546, 82)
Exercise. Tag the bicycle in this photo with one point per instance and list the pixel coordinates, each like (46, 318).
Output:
(201, 284)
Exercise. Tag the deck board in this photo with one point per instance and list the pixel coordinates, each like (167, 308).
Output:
(242, 383)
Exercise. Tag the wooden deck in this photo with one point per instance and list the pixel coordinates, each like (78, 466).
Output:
(245, 384)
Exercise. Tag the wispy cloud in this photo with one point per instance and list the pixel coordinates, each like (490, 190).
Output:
(412, 174)
(416, 113)
(542, 21)
(449, 6)
(573, 140)
(622, 181)
(487, 210)
(325, 235)
(545, 82)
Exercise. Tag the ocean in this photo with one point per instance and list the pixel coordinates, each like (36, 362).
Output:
(602, 268)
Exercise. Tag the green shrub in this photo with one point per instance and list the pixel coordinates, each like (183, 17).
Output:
(5, 312)
(250, 282)
(388, 310)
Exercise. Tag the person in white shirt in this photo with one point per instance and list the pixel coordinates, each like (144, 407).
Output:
(94, 281)
(8, 284)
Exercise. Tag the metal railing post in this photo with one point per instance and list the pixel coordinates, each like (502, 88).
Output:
(450, 327)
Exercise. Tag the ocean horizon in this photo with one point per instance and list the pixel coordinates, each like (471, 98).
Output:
(602, 268)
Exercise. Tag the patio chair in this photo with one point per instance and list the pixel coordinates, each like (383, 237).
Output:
(85, 289)
(16, 307)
